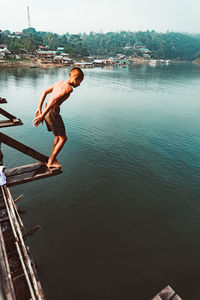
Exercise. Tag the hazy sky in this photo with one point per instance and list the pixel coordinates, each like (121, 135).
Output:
(63, 16)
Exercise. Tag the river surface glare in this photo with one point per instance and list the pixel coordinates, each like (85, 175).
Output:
(123, 219)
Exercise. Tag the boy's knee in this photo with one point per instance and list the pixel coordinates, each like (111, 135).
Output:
(63, 138)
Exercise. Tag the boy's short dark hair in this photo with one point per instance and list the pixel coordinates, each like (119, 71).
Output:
(80, 72)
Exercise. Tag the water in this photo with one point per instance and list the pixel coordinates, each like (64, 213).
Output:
(122, 220)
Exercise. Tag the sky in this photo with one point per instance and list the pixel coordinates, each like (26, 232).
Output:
(78, 16)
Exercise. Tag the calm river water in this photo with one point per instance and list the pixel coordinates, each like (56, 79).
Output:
(123, 219)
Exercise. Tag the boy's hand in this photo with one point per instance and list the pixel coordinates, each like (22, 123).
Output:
(38, 120)
(38, 112)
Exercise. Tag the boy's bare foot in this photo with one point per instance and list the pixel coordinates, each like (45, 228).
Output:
(54, 165)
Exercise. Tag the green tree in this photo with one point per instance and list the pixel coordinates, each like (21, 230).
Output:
(50, 41)
(29, 31)
(15, 46)
(30, 45)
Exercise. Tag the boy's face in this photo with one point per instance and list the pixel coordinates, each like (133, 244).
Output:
(75, 80)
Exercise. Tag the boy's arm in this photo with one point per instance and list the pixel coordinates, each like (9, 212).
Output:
(63, 94)
(47, 91)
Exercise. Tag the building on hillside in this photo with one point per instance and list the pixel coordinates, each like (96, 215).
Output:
(58, 59)
(124, 62)
(141, 48)
(3, 46)
(47, 53)
(146, 55)
(17, 33)
(121, 56)
(67, 60)
(144, 50)
(11, 36)
(109, 61)
(65, 54)
(60, 49)
(46, 56)
(42, 48)
(98, 62)
(3, 51)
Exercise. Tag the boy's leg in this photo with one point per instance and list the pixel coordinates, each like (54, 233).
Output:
(54, 145)
(58, 143)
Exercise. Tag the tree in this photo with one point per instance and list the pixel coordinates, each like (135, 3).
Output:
(30, 45)
(15, 46)
(29, 31)
(50, 41)
(75, 46)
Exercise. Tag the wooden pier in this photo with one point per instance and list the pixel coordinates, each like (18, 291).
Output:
(18, 276)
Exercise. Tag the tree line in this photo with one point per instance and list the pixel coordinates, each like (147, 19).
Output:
(169, 45)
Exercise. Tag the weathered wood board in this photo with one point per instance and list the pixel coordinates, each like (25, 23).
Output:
(2, 100)
(22, 148)
(8, 123)
(7, 114)
(29, 173)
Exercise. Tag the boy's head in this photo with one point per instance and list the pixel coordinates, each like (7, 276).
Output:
(76, 76)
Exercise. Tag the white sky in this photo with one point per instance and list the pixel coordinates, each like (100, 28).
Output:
(63, 16)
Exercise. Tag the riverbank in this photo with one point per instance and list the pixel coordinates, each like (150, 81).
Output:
(37, 63)
(41, 64)
(197, 61)
(27, 63)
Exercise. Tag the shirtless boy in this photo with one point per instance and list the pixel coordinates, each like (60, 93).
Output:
(60, 91)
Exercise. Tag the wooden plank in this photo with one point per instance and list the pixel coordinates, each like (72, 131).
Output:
(21, 259)
(19, 279)
(167, 294)
(6, 281)
(7, 115)
(8, 123)
(22, 148)
(3, 100)
(29, 173)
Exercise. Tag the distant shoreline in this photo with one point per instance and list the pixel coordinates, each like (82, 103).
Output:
(197, 61)
(31, 64)
(28, 63)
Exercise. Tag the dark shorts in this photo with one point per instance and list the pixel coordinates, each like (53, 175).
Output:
(54, 122)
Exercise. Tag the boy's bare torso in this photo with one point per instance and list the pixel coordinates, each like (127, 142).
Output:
(60, 91)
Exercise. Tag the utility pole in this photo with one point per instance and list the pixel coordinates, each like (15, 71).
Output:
(29, 20)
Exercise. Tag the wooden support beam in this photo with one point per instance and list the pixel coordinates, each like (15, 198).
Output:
(29, 173)
(8, 123)
(7, 115)
(3, 100)
(19, 198)
(22, 148)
